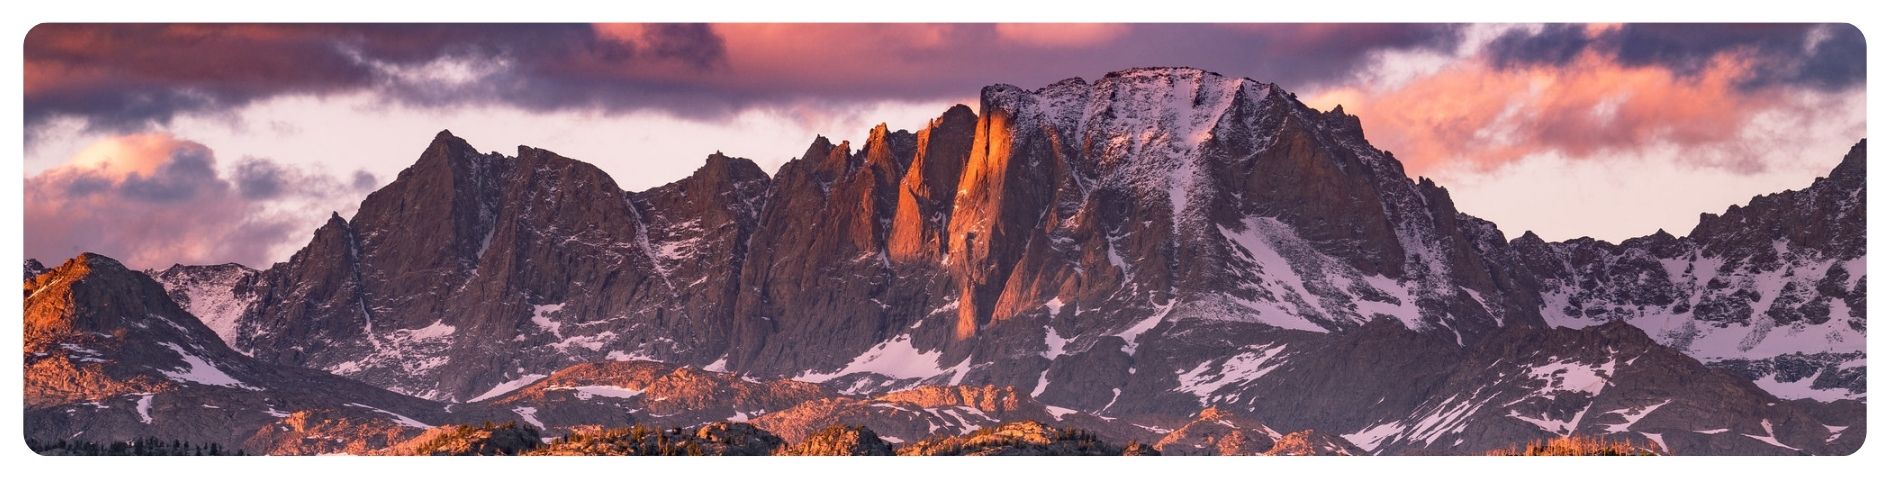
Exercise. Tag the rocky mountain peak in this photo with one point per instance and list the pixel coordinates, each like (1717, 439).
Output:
(1346, 124)
(1824, 216)
(33, 268)
(889, 153)
(1851, 171)
(929, 188)
(819, 149)
(218, 295)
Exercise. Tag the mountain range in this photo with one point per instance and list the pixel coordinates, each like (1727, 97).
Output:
(1165, 256)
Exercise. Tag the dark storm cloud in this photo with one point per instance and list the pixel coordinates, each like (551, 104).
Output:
(125, 77)
(263, 179)
(1838, 61)
(128, 77)
(1819, 56)
(188, 173)
(1555, 45)
(362, 181)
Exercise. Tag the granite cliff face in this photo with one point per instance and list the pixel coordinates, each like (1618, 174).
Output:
(1113, 255)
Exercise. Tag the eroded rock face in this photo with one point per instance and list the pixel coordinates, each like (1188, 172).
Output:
(699, 231)
(819, 279)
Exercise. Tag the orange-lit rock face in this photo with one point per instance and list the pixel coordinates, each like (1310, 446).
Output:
(56, 380)
(1002, 212)
(324, 432)
(672, 388)
(60, 367)
(927, 191)
(985, 398)
(658, 394)
(1004, 194)
(973, 228)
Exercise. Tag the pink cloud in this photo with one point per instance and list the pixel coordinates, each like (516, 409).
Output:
(1473, 116)
(1061, 35)
(152, 199)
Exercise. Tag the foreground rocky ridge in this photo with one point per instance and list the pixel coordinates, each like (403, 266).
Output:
(1116, 255)
(110, 358)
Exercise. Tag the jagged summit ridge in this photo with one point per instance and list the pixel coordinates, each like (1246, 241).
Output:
(1149, 242)
(1173, 162)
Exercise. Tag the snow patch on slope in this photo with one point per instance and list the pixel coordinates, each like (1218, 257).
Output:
(530, 414)
(144, 407)
(1251, 363)
(588, 392)
(1803, 388)
(896, 358)
(212, 299)
(200, 371)
(1633, 415)
(398, 418)
(507, 387)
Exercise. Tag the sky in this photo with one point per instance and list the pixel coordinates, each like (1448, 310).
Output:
(161, 144)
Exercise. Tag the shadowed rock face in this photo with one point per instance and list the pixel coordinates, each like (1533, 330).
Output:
(1130, 249)
(819, 278)
(698, 229)
(530, 263)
